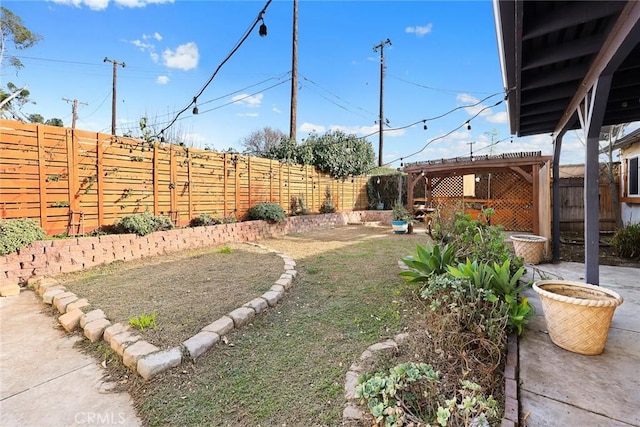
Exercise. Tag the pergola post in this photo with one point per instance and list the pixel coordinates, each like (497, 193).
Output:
(557, 146)
(591, 114)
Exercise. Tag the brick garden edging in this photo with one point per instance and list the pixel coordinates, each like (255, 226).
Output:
(142, 356)
(53, 257)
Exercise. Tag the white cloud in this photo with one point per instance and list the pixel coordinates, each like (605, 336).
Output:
(162, 80)
(247, 114)
(252, 101)
(276, 110)
(103, 4)
(155, 57)
(185, 57)
(91, 4)
(478, 109)
(497, 117)
(310, 127)
(419, 30)
(142, 45)
(155, 36)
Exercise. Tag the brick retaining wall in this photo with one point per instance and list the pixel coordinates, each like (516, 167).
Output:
(53, 257)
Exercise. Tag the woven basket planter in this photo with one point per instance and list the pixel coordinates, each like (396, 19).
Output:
(529, 247)
(578, 315)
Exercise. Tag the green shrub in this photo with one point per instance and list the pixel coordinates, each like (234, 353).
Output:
(400, 213)
(18, 233)
(390, 398)
(477, 240)
(203, 220)
(408, 395)
(626, 241)
(267, 211)
(499, 280)
(144, 223)
(327, 204)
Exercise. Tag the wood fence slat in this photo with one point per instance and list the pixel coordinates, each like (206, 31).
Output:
(43, 179)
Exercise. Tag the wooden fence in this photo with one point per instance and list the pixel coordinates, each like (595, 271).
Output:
(572, 205)
(74, 181)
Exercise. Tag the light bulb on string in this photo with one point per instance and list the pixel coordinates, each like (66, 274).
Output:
(468, 125)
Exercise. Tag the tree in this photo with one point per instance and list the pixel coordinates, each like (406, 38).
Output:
(13, 32)
(262, 141)
(334, 152)
(339, 154)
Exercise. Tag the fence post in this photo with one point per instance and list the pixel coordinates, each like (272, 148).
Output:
(224, 183)
(100, 179)
(190, 208)
(172, 188)
(156, 154)
(42, 172)
(72, 163)
(249, 179)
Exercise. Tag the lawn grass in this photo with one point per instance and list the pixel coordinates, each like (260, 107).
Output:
(288, 366)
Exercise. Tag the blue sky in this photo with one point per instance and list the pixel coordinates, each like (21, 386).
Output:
(443, 56)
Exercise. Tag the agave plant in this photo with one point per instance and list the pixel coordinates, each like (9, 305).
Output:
(427, 261)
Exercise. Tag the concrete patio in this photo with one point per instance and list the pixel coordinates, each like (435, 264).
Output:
(561, 388)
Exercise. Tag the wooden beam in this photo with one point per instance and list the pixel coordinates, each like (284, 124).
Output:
(611, 53)
(523, 173)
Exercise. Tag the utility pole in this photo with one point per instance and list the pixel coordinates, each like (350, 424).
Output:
(74, 110)
(381, 118)
(471, 149)
(113, 98)
(294, 74)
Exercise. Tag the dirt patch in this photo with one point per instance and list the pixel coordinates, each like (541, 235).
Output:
(572, 250)
(187, 291)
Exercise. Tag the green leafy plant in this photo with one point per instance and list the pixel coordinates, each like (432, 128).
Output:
(427, 261)
(520, 311)
(144, 223)
(327, 204)
(391, 397)
(400, 213)
(204, 220)
(144, 321)
(267, 211)
(476, 272)
(226, 250)
(299, 205)
(480, 241)
(471, 408)
(60, 204)
(626, 241)
(17, 233)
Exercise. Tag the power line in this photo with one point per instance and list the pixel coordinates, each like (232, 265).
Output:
(435, 88)
(263, 32)
(338, 97)
(438, 117)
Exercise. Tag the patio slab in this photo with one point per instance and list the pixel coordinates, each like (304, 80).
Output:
(559, 387)
(44, 381)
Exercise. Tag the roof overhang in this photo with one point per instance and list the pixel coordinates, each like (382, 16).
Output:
(553, 52)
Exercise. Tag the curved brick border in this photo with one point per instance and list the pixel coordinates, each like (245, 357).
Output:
(139, 355)
(353, 410)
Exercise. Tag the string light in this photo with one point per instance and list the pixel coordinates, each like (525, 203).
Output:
(439, 117)
(468, 125)
(224, 61)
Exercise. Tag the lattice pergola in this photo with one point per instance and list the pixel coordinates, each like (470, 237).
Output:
(515, 185)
